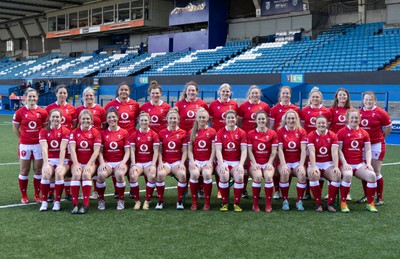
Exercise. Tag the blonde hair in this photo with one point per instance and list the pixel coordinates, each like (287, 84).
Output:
(85, 112)
(283, 122)
(183, 94)
(171, 111)
(143, 113)
(372, 94)
(251, 89)
(350, 111)
(315, 89)
(196, 124)
(225, 85)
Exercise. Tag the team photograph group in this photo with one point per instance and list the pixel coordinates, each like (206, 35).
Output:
(73, 151)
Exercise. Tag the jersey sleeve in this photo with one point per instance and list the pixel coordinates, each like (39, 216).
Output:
(303, 138)
(274, 141)
(156, 138)
(72, 138)
(243, 138)
(42, 135)
(132, 138)
(97, 141)
(385, 118)
(17, 117)
(65, 133)
(311, 138)
(335, 140)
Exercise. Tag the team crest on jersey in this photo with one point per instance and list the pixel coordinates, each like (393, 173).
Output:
(59, 134)
(348, 135)
(138, 138)
(329, 140)
(218, 107)
(360, 135)
(177, 135)
(37, 115)
(90, 135)
(267, 138)
(207, 134)
(373, 114)
(148, 138)
(236, 136)
(79, 135)
(317, 140)
(297, 135)
(256, 137)
(224, 136)
(119, 135)
(130, 107)
(23, 153)
(26, 115)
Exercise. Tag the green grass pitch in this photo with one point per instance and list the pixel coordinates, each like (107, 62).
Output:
(26, 232)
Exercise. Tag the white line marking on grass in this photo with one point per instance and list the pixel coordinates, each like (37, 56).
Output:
(34, 203)
(16, 163)
(396, 163)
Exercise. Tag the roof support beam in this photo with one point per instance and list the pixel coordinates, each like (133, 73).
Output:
(258, 8)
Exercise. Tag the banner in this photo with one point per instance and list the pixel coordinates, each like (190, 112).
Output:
(270, 7)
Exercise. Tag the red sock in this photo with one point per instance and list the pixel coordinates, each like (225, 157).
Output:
(160, 191)
(101, 188)
(364, 185)
(134, 190)
(256, 189)
(182, 186)
(284, 186)
(194, 189)
(224, 189)
(316, 191)
(276, 182)
(333, 189)
(45, 186)
(86, 188)
(207, 190)
(268, 189)
(36, 183)
(23, 184)
(300, 187)
(67, 187)
(379, 189)
(344, 190)
(371, 189)
(59, 189)
(237, 192)
(75, 186)
(149, 190)
(120, 189)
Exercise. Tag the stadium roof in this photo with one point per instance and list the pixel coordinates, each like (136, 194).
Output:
(16, 10)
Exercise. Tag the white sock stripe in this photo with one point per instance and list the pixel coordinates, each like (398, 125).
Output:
(160, 184)
(133, 184)
(67, 183)
(75, 183)
(101, 185)
(87, 183)
(209, 181)
(182, 184)
(302, 185)
(281, 184)
(120, 185)
(59, 182)
(314, 183)
(379, 177)
(45, 181)
(151, 185)
(371, 185)
(23, 177)
(239, 185)
(268, 184)
(223, 185)
(346, 184)
(255, 184)
(37, 176)
(194, 181)
(336, 184)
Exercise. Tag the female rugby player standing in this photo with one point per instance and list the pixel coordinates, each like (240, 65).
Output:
(27, 123)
